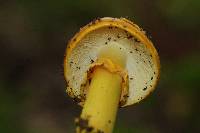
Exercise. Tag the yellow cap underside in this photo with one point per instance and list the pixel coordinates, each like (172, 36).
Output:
(123, 24)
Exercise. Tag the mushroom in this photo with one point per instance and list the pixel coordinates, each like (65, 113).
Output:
(109, 63)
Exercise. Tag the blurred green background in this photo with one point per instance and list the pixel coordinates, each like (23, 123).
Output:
(33, 37)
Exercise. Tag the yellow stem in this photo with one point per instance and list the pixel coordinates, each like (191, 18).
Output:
(102, 101)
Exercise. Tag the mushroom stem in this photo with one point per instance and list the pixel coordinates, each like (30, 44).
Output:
(101, 105)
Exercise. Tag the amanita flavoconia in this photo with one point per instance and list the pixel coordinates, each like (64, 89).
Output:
(109, 63)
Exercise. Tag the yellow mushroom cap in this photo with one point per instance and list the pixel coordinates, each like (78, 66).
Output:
(140, 72)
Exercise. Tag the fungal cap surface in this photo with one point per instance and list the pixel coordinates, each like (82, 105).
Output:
(140, 72)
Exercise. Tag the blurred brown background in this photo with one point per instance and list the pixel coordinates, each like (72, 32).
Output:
(33, 36)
